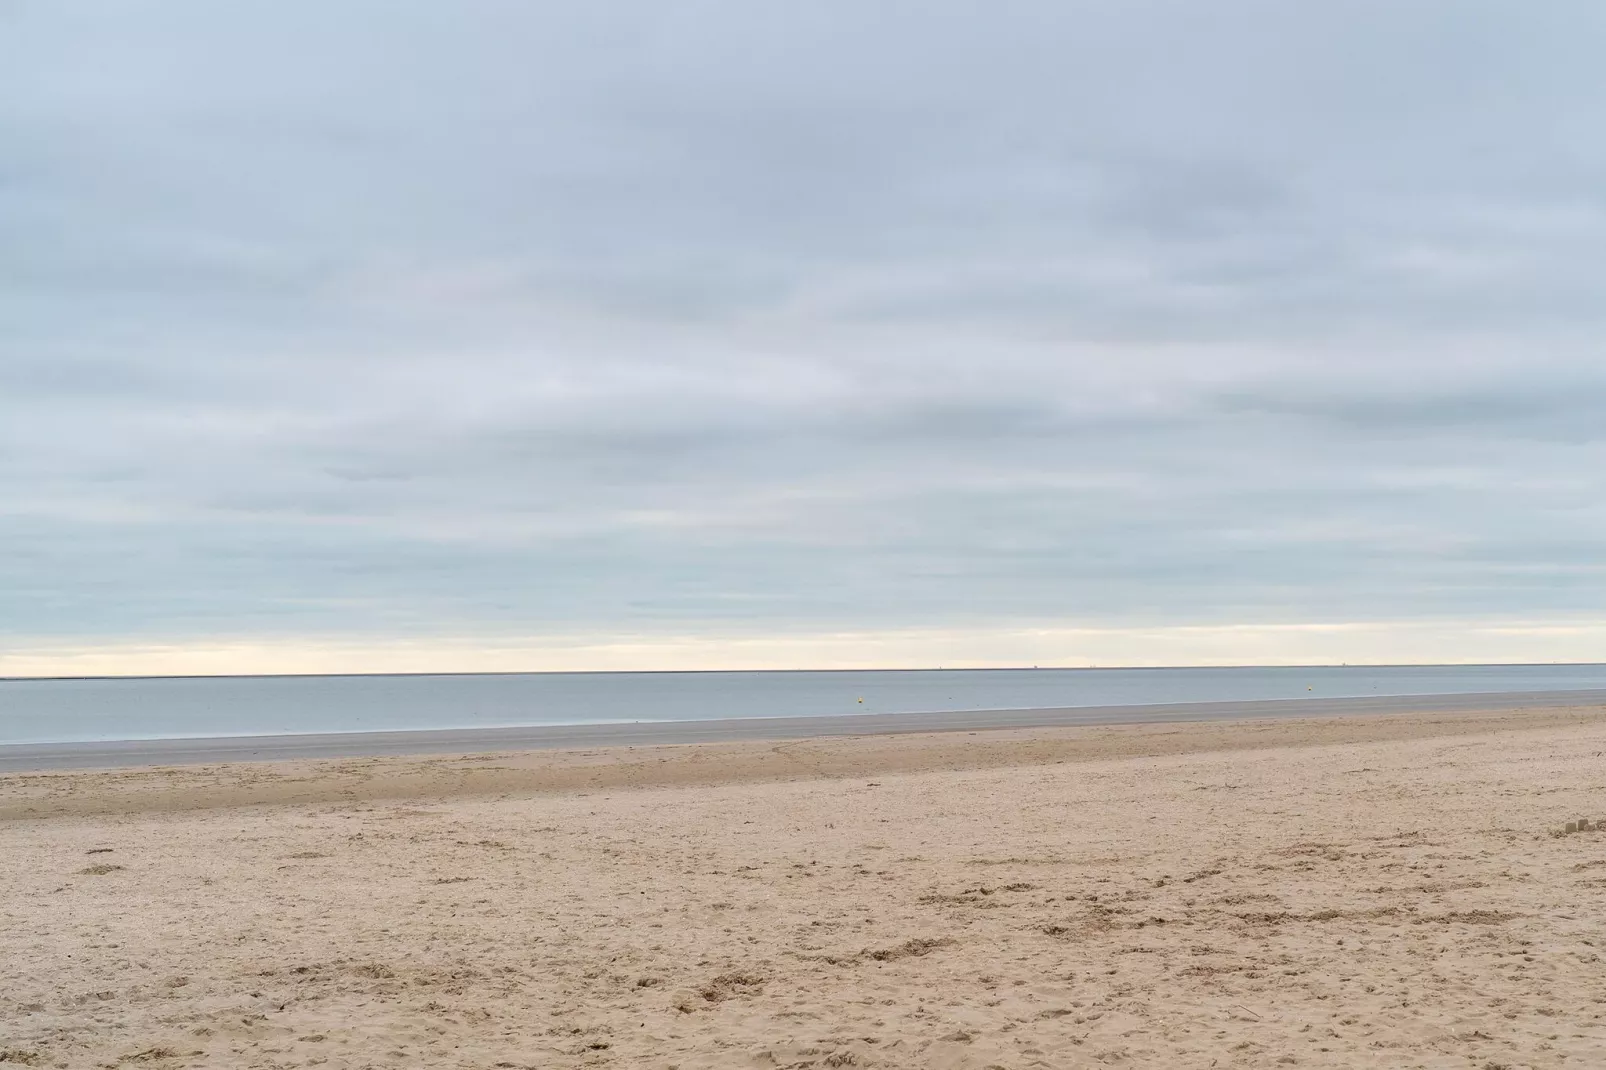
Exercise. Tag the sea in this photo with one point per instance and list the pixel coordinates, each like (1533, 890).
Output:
(105, 709)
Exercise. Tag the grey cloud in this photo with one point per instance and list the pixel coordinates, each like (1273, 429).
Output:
(1558, 411)
(393, 318)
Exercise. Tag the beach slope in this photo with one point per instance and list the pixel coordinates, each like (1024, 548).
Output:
(1362, 892)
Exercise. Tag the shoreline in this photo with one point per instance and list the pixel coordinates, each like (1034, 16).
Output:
(123, 754)
(719, 763)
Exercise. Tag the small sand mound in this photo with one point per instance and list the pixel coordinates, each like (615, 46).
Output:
(914, 948)
(730, 985)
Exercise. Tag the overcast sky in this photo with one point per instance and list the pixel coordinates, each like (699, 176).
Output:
(411, 330)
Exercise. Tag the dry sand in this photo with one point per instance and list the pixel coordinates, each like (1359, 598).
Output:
(1363, 892)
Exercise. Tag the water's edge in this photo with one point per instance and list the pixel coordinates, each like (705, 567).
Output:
(177, 708)
(37, 757)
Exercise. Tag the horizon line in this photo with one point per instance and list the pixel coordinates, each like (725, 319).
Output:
(890, 669)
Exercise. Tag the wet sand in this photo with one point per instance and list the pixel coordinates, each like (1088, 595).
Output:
(1380, 891)
(29, 757)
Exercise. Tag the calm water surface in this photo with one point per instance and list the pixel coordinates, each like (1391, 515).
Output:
(60, 711)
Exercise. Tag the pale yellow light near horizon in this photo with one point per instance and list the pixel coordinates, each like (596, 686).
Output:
(1354, 643)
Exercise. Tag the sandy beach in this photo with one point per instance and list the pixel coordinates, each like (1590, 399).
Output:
(1386, 891)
